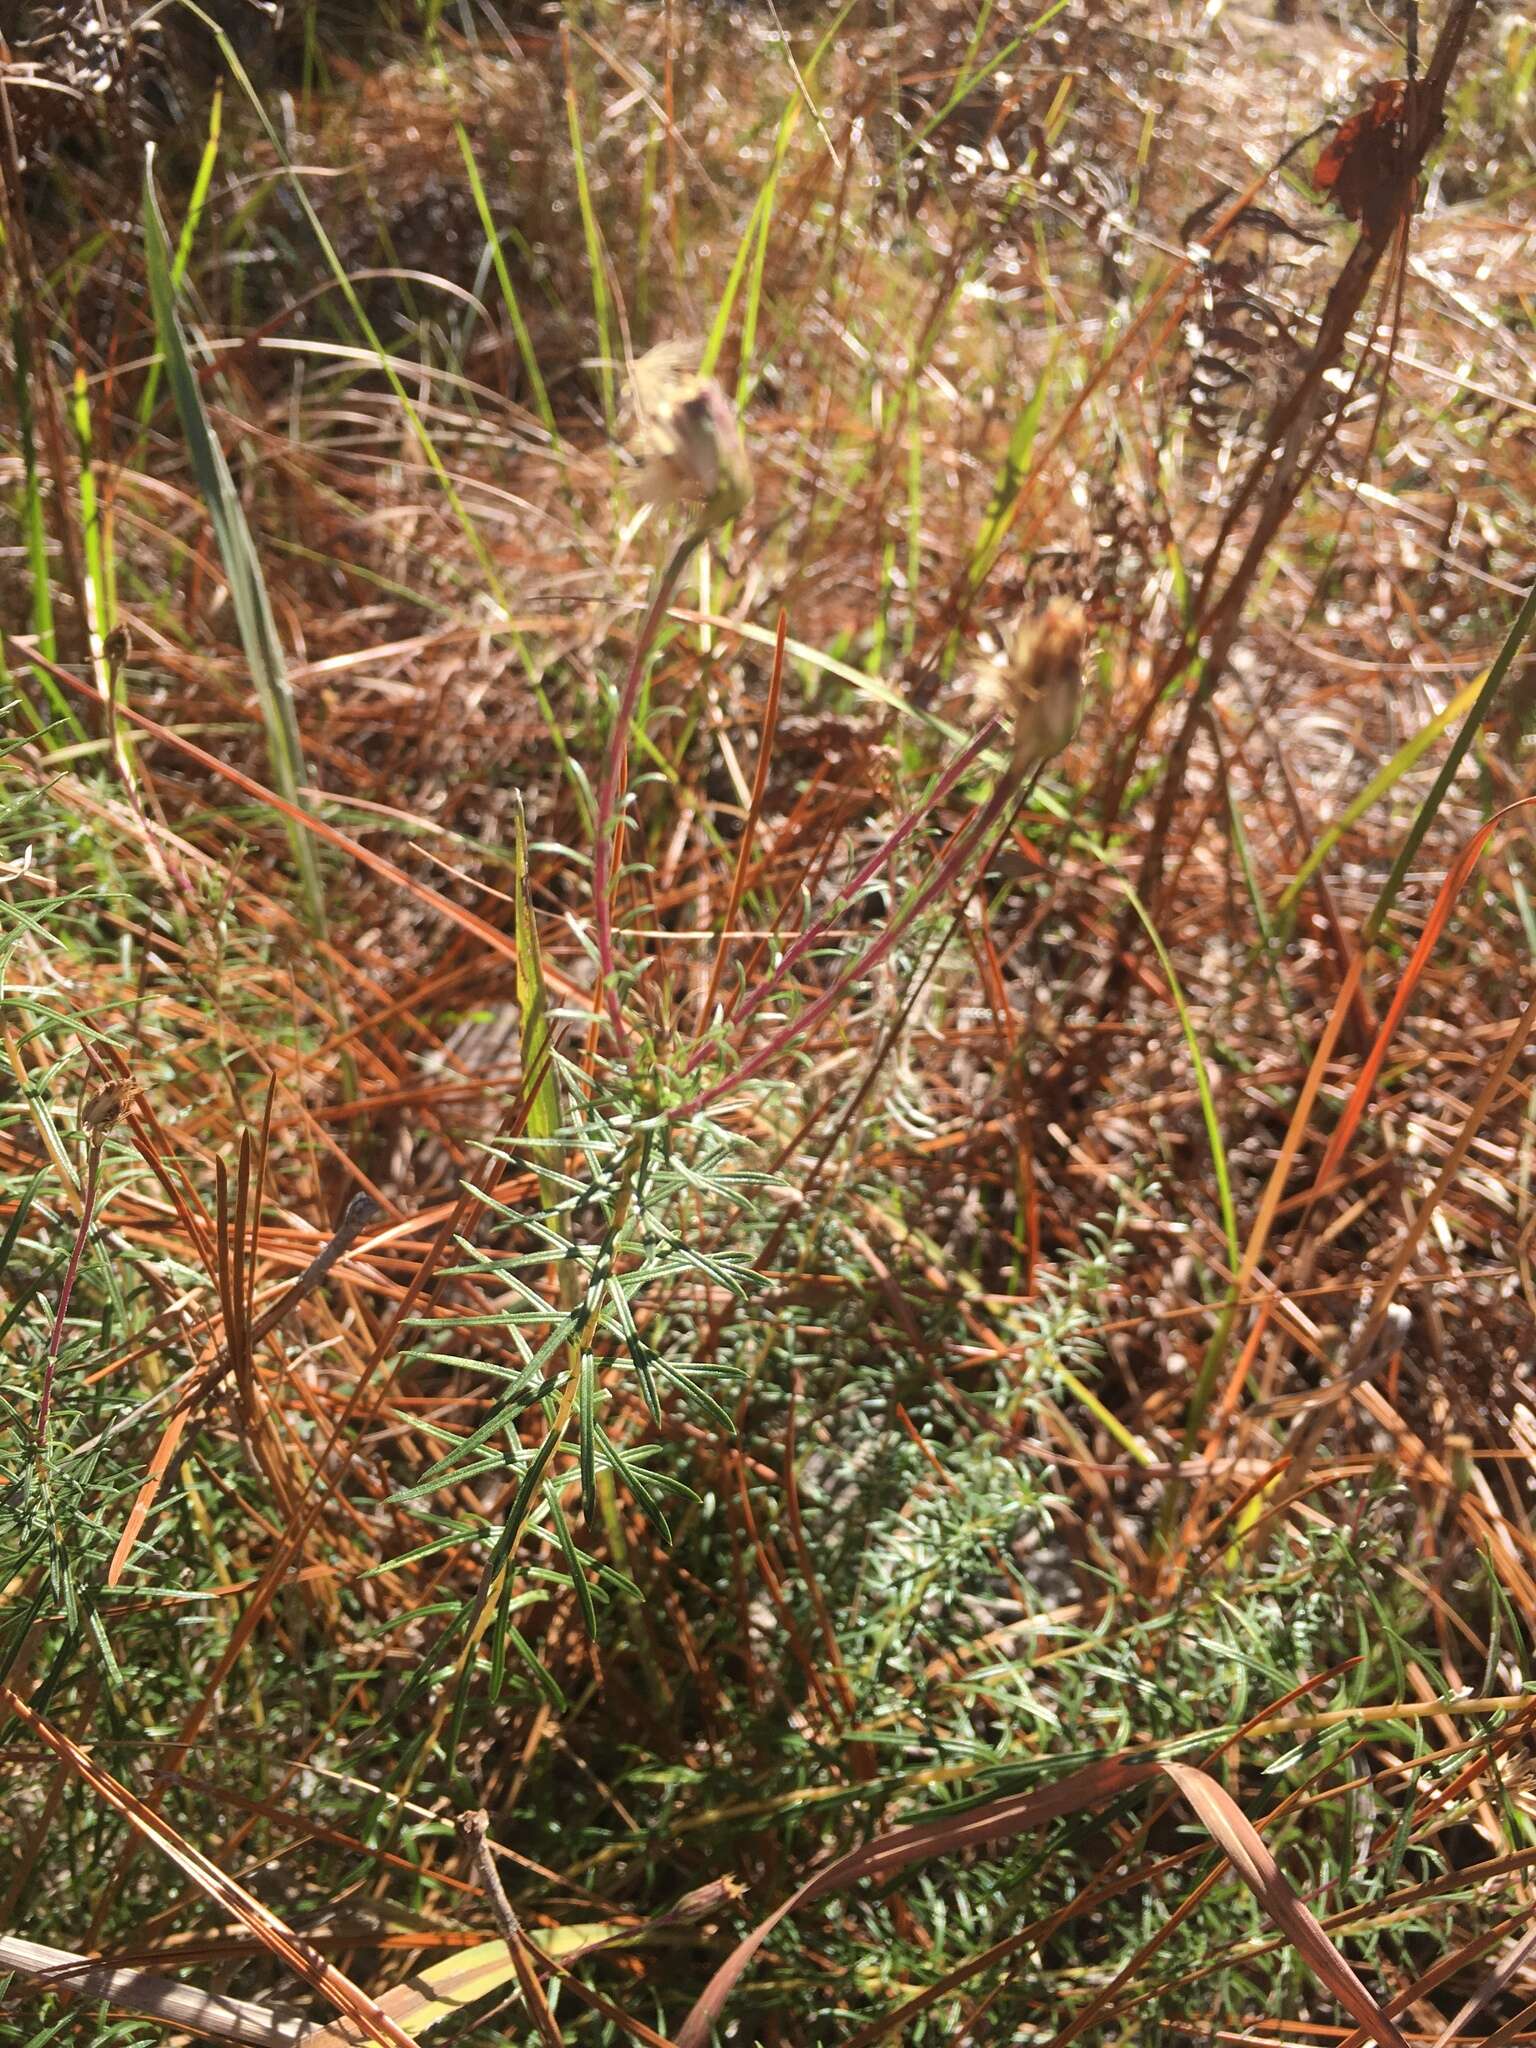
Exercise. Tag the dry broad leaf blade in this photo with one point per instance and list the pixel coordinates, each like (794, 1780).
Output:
(1000, 1820)
(449, 1988)
(1244, 1848)
(280, 1940)
(183, 2006)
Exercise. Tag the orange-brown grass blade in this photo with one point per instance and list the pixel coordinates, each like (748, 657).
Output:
(1242, 1845)
(466, 920)
(155, 1149)
(231, 1249)
(149, 1488)
(329, 1474)
(749, 830)
(1000, 1820)
(1495, 1982)
(1301, 1117)
(1107, 1885)
(263, 1145)
(1439, 916)
(235, 1278)
(1472, 1123)
(347, 1997)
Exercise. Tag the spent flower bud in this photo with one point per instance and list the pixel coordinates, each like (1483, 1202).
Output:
(106, 1108)
(1037, 686)
(685, 433)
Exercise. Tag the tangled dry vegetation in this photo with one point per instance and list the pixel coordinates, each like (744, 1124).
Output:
(687, 1343)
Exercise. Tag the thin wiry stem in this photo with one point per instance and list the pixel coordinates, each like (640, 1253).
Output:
(962, 846)
(473, 1829)
(849, 893)
(608, 826)
(56, 1335)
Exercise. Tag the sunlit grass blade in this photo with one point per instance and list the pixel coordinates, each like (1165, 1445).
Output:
(1381, 784)
(1003, 507)
(538, 1068)
(195, 205)
(1205, 1382)
(597, 259)
(1430, 808)
(99, 592)
(753, 245)
(509, 298)
(242, 565)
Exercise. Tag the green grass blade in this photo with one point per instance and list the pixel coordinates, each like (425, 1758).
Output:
(538, 1065)
(423, 439)
(1379, 785)
(194, 214)
(1202, 1084)
(493, 242)
(755, 233)
(580, 1584)
(237, 549)
(431, 454)
(1215, 1351)
(1428, 810)
(100, 597)
(753, 245)
(1004, 505)
(602, 305)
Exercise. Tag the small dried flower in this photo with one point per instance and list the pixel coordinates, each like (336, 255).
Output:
(1037, 688)
(704, 1902)
(686, 436)
(106, 1108)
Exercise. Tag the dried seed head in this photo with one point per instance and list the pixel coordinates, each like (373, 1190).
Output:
(106, 1108)
(707, 1899)
(686, 436)
(1037, 688)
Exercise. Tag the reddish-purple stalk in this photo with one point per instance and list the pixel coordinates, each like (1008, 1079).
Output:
(56, 1337)
(608, 826)
(961, 848)
(849, 893)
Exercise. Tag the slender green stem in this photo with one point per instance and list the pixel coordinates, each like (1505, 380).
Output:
(56, 1335)
(608, 826)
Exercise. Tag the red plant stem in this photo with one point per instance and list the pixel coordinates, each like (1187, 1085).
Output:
(813, 933)
(961, 848)
(607, 825)
(754, 812)
(56, 1337)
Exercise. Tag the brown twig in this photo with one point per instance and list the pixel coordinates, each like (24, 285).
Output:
(473, 1829)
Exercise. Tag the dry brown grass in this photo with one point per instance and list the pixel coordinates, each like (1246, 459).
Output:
(1052, 1206)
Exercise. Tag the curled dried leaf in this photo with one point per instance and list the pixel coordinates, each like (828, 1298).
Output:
(1365, 168)
(685, 434)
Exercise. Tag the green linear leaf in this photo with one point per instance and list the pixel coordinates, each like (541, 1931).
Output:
(242, 565)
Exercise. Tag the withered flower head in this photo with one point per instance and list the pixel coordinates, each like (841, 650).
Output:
(686, 436)
(1037, 686)
(106, 1108)
(707, 1899)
